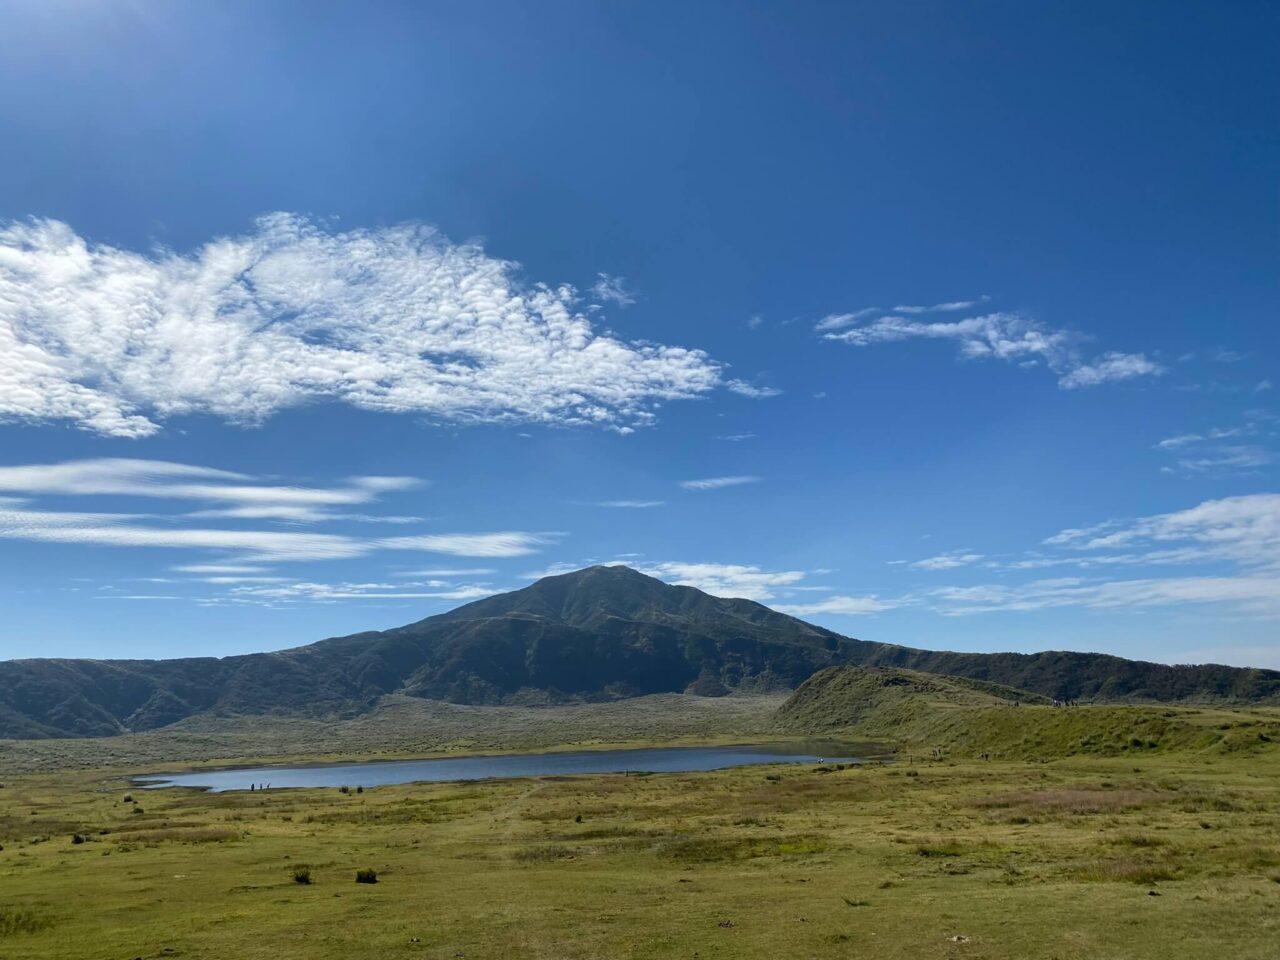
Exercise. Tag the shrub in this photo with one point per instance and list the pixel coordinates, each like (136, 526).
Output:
(947, 848)
(366, 876)
(302, 875)
(21, 921)
(77, 838)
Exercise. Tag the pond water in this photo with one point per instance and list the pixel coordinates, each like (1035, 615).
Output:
(650, 760)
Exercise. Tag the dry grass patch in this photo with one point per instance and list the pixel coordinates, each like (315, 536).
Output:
(1070, 801)
(205, 835)
(730, 849)
(1126, 870)
(14, 921)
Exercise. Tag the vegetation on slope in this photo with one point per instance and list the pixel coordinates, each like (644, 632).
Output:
(598, 634)
(954, 716)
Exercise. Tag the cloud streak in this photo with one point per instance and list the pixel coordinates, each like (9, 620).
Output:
(1010, 337)
(839, 605)
(20, 520)
(718, 483)
(396, 320)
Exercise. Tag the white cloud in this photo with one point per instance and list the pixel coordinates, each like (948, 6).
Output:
(122, 530)
(948, 561)
(736, 437)
(1245, 529)
(837, 321)
(1229, 459)
(21, 521)
(612, 290)
(1173, 443)
(1235, 539)
(450, 572)
(510, 543)
(718, 483)
(949, 307)
(746, 389)
(120, 476)
(1001, 336)
(725, 579)
(1109, 368)
(631, 504)
(845, 605)
(295, 513)
(303, 592)
(219, 568)
(1256, 594)
(1207, 453)
(236, 578)
(397, 320)
(138, 596)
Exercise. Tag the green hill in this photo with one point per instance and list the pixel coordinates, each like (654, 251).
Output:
(955, 716)
(596, 634)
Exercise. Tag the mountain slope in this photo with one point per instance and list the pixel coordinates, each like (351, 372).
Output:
(598, 633)
(930, 714)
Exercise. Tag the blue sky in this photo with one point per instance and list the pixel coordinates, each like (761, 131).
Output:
(950, 325)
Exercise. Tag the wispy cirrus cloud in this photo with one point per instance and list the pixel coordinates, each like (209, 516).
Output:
(158, 479)
(611, 289)
(1235, 540)
(1243, 529)
(1258, 594)
(947, 561)
(1011, 337)
(841, 605)
(949, 306)
(630, 504)
(396, 320)
(745, 388)
(718, 483)
(510, 543)
(1244, 448)
(250, 499)
(308, 592)
(450, 572)
(725, 579)
(123, 530)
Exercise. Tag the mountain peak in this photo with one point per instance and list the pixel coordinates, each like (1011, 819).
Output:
(602, 632)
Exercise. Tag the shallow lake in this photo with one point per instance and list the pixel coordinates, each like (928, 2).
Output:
(650, 760)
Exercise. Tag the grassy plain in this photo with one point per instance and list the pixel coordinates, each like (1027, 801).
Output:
(406, 727)
(1094, 850)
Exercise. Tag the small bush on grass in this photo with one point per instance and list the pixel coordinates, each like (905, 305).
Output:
(366, 876)
(21, 921)
(302, 875)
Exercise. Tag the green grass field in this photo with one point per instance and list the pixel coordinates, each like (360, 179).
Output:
(1155, 851)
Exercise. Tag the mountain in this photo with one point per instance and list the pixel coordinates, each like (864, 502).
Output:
(598, 633)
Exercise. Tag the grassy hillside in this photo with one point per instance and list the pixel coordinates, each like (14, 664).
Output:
(953, 716)
(604, 633)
